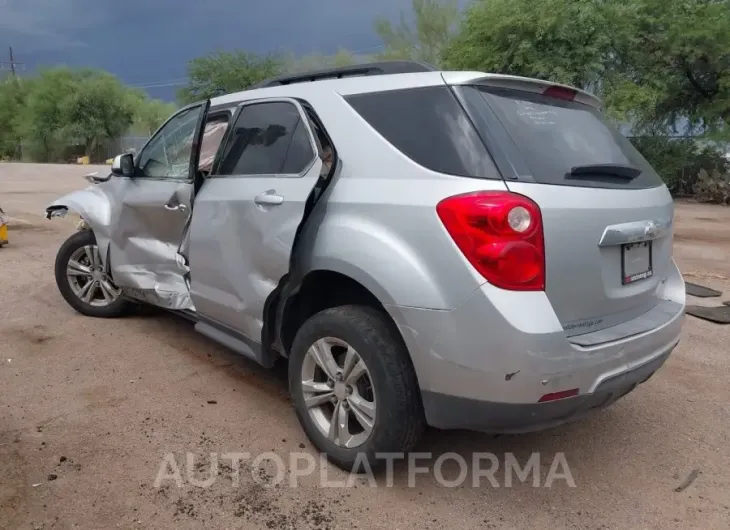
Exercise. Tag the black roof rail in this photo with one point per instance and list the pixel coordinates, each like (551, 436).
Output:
(376, 68)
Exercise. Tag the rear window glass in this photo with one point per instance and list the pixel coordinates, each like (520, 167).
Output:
(555, 136)
(429, 126)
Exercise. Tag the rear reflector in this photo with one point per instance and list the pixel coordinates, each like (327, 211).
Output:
(554, 396)
(560, 92)
(500, 234)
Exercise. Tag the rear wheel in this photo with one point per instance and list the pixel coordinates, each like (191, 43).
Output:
(83, 281)
(354, 389)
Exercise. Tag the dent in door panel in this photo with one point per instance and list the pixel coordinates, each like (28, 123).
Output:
(249, 271)
(145, 241)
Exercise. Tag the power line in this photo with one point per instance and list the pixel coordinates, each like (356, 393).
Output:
(178, 83)
(370, 48)
(154, 84)
(184, 81)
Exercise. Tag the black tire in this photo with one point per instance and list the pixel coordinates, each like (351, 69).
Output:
(399, 420)
(80, 239)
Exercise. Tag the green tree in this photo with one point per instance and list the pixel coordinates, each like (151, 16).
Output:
(12, 101)
(426, 37)
(149, 114)
(658, 64)
(317, 62)
(97, 110)
(569, 41)
(152, 113)
(63, 108)
(674, 67)
(226, 71)
(42, 119)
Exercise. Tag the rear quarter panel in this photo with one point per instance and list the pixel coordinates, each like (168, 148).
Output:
(385, 233)
(377, 220)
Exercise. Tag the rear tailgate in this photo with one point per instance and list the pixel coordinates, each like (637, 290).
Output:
(607, 215)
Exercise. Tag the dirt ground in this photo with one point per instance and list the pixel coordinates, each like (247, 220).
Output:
(90, 408)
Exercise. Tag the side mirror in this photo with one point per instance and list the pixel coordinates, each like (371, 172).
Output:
(123, 165)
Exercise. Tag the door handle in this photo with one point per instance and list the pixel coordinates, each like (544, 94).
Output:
(269, 198)
(176, 207)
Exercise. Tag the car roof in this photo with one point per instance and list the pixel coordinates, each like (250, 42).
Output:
(374, 77)
(344, 86)
(354, 70)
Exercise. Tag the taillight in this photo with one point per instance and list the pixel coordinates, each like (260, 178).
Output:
(560, 92)
(500, 233)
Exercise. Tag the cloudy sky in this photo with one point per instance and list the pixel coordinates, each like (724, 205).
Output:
(148, 42)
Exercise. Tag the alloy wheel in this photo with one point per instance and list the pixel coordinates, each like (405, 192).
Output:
(88, 278)
(338, 392)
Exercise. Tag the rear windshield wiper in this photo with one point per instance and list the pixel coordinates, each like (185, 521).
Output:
(609, 170)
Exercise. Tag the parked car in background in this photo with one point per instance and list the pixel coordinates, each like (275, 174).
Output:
(454, 249)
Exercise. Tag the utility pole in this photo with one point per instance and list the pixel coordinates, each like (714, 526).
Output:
(13, 63)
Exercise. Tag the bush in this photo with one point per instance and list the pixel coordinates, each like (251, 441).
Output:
(712, 187)
(678, 161)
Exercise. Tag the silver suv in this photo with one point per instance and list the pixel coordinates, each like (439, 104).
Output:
(454, 249)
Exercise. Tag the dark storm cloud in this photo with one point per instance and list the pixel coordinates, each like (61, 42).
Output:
(147, 41)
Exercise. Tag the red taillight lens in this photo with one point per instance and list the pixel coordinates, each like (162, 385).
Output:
(500, 233)
(560, 92)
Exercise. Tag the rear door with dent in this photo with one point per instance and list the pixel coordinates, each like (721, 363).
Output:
(248, 212)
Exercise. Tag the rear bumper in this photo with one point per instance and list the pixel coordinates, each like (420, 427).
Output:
(485, 364)
(451, 412)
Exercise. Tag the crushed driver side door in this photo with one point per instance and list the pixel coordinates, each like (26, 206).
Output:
(155, 206)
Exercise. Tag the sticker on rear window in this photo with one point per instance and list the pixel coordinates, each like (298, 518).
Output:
(528, 111)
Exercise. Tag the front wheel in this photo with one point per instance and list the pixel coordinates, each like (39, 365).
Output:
(83, 281)
(354, 389)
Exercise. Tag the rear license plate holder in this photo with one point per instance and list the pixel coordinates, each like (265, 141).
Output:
(636, 262)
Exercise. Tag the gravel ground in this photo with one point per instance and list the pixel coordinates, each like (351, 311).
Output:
(90, 408)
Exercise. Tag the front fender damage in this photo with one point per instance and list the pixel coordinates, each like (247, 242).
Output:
(94, 208)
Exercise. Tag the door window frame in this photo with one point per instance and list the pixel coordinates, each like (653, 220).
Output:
(229, 134)
(213, 114)
(137, 170)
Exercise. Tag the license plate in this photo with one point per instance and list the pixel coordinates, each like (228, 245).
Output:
(636, 262)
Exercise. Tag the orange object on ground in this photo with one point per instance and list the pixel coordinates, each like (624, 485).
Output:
(3, 228)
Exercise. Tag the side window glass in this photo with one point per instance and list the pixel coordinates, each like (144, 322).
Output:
(267, 139)
(429, 126)
(168, 153)
(300, 153)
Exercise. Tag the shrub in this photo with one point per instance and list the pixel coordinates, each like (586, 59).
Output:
(712, 187)
(678, 161)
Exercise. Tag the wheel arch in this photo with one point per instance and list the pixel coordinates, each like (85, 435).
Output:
(111, 309)
(322, 289)
(95, 210)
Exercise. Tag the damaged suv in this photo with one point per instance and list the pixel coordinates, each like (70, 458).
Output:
(454, 249)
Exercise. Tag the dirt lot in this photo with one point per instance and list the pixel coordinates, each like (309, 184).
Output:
(89, 409)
